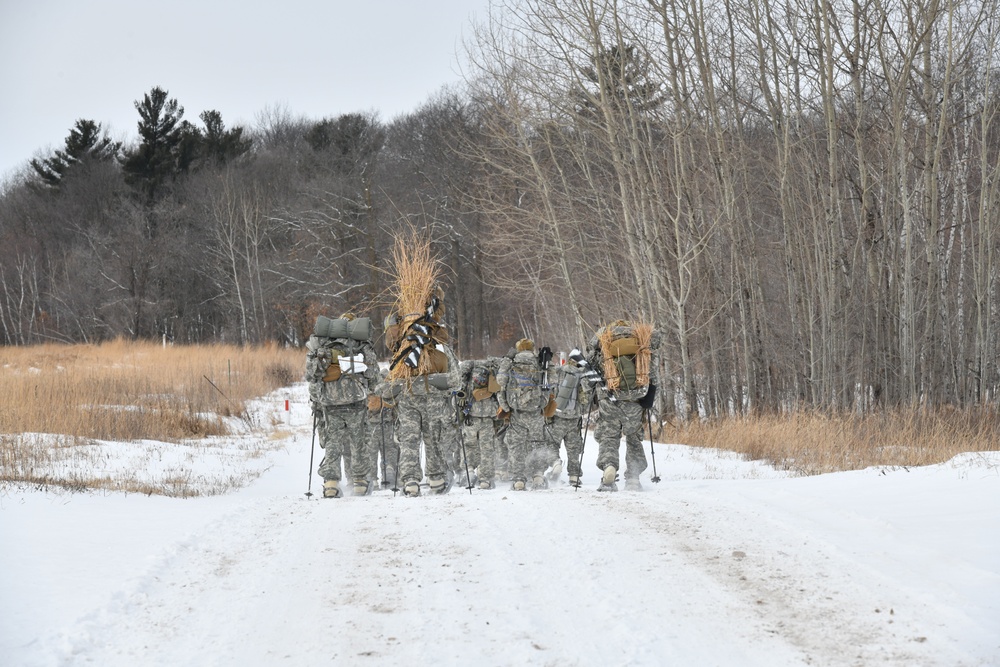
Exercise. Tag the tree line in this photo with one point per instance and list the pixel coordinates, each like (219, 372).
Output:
(801, 196)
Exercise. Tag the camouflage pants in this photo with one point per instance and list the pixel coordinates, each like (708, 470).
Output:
(381, 435)
(502, 465)
(619, 418)
(424, 418)
(480, 446)
(341, 432)
(561, 431)
(526, 446)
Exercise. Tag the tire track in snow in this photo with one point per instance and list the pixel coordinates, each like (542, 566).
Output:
(799, 588)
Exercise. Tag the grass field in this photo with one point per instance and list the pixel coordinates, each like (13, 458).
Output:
(78, 416)
(812, 443)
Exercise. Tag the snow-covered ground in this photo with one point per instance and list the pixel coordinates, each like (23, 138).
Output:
(725, 562)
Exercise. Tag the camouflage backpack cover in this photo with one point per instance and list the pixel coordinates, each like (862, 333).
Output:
(523, 390)
(340, 370)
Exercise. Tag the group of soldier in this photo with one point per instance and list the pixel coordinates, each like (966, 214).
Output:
(477, 422)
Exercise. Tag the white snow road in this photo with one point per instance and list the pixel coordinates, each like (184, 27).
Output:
(682, 576)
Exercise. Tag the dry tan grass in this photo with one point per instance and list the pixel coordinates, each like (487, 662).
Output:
(125, 391)
(415, 274)
(133, 390)
(814, 443)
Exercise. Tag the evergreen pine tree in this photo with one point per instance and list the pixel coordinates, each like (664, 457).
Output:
(159, 155)
(86, 141)
(621, 77)
(219, 144)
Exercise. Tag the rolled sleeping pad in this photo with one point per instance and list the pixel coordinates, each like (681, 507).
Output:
(360, 328)
(438, 380)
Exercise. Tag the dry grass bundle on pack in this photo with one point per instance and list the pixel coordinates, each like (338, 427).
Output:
(621, 340)
(415, 275)
(644, 356)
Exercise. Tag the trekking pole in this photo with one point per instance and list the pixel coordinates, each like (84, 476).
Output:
(399, 450)
(652, 449)
(456, 397)
(381, 425)
(586, 429)
(312, 450)
(468, 476)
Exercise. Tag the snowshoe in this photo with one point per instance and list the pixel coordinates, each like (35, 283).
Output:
(610, 475)
(608, 479)
(363, 487)
(632, 484)
(331, 489)
(439, 485)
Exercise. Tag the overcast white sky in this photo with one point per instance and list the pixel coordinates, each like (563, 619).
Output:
(61, 60)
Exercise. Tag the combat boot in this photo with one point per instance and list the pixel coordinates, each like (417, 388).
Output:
(538, 483)
(411, 489)
(519, 485)
(438, 486)
(556, 470)
(362, 487)
(632, 484)
(574, 481)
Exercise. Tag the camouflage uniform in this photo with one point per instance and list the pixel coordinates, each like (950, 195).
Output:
(381, 435)
(340, 404)
(426, 414)
(382, 440)
(564, 427)
(525, 436)
(502, 467)
(619, 413)
(479, 431)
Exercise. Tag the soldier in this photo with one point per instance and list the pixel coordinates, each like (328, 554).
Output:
(523, 397)
(501, 423)
(623, 353)
(572, 396)
(424, 402)
(478, 429)
(341, 368)
(382, 443)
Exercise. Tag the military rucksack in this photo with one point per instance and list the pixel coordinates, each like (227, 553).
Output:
(567, 394)
(335, 369)
(623, 352)
(623, 355)
(524, 389)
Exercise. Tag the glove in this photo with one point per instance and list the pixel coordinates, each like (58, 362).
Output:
(503, 414)
(374, 402)
(550, 408)
(649, 399)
